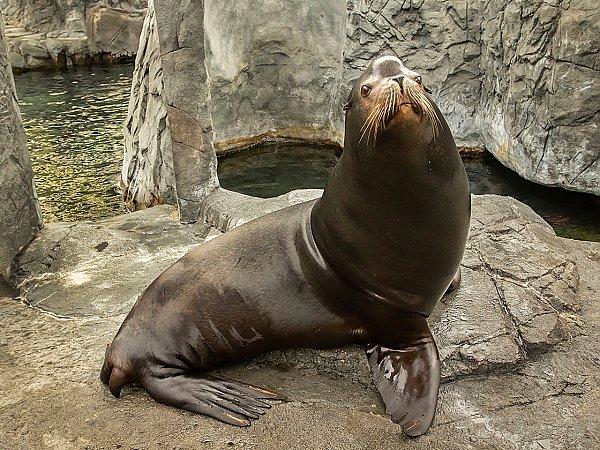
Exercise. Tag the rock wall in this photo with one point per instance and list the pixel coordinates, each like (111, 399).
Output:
(147, 177)
(520, 78)
(48, 33)
(275, 70)
(541, 90)
(20, 216)
(169, 153)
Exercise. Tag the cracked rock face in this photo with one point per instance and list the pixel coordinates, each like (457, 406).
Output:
(20, 215)
(519, 293)
(520, 78)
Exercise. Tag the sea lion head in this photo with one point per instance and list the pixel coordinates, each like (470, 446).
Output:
(390, 98)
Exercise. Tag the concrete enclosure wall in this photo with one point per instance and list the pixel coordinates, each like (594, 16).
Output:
(275, 68)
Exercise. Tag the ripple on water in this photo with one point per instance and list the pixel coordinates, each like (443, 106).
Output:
(73, 121)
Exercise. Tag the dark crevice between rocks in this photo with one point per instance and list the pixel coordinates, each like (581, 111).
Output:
(564, 391)
(513, 322)
(544, 149)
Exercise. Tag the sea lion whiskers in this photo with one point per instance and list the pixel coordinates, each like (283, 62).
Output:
(415, 94)
(385, 106)
(371, 121)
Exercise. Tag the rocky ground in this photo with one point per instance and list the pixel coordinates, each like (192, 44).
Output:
(519, 340)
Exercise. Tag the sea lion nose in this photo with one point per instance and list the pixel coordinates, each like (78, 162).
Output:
(399, 79)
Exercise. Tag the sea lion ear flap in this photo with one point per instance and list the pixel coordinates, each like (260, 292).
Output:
(348, 103)
(426, 89)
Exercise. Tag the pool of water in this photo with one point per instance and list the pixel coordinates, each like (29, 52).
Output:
(272, 170)
(73, 121)
(268, 171)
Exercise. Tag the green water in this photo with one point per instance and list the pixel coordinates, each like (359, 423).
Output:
(73, 121)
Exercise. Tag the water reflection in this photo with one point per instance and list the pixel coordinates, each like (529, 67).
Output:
(73, 121)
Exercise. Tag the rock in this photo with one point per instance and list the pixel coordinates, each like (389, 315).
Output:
(275, 70)
(513, 265)
(113, 31)
(520, 338)
(148, 177)
(178, 129)
(540, 117)
(109, 263)
(48, 33)
(226, 209)
(20, 215)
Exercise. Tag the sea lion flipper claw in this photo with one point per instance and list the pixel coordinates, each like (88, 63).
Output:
(222, 399)
(408, 380)
(455, 283)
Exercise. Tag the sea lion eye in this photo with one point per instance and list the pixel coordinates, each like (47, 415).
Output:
(365, 90)
(418, 79)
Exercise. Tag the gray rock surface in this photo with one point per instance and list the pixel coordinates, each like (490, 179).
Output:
(540, 103)
(520, 78)
(20, 215)
(147, 176)
(61, 33)
(505, 358)
(275, 70)
(170, 113)
(108, 263)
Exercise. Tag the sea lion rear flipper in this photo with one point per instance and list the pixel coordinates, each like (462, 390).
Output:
(408, 380)
(225, 400)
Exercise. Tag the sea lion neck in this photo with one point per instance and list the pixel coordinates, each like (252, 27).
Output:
(395, 205)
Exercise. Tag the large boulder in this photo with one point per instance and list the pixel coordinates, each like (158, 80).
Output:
(50, 33)
(20, 216)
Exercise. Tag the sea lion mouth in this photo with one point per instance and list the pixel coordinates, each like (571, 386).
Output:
(390, 116)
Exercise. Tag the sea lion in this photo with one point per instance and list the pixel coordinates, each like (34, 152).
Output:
(366, 263)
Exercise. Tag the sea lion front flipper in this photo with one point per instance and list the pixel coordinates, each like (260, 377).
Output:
(225, 400)
(408, 379)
